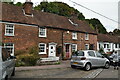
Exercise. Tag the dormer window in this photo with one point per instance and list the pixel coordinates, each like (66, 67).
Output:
(74, 35)
(72, 22)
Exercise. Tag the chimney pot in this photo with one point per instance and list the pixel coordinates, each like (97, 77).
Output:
(28, 5)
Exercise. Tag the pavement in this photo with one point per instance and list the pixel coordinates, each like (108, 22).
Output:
(63, 64)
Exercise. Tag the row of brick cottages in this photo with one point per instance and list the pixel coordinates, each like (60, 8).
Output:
(56, 36)
(108, 43)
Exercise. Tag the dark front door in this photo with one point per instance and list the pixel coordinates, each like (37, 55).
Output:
(91, 47)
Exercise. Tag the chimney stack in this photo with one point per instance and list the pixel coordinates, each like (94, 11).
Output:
(28, 5)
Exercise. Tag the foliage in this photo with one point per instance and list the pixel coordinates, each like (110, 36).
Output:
(29, 58)
(116, 32)
(59, 8)
(101, 51)
(96, 24)
(19, 4)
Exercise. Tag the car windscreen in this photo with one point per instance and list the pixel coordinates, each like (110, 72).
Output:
(78, 53)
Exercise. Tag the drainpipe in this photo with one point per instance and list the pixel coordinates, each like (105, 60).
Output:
(62, 44)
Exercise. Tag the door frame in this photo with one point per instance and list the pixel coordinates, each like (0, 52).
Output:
(70, 52)
(54, 44)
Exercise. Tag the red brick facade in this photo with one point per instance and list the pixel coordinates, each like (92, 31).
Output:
(28, 36)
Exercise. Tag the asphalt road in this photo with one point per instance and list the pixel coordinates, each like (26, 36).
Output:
(53, 73)
(109, 73)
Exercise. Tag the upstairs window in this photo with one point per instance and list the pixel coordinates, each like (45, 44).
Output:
(74, 47)
(10, 48)
(74, 35)
(86, 36)
(42, 32)
(9, 30)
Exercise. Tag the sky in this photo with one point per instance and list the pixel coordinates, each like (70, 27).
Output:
(108, 8)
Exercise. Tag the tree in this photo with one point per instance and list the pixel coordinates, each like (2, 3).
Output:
(59, 8)
(19, 4)
(116, 31)
(96, 24)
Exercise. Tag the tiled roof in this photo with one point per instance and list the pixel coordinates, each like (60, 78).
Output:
(13, 13)
(108, 38)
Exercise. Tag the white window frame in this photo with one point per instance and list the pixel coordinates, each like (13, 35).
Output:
(44, 32)
(74, 35)
(88, 46)
(86, 36)
(6, 27)
(44, 48)
(12, 54)
(75, 47)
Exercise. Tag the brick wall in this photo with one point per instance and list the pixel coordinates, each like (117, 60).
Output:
(27, 36)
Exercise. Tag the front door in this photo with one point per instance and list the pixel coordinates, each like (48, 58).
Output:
(67, 49)
(52, 50)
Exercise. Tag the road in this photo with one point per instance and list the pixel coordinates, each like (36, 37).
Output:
(53, 73)
(109, 73)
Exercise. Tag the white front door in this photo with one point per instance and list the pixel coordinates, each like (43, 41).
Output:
(52, 50)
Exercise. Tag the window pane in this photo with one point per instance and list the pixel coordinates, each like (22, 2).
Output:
(9, 29)
(98, 54)
(74, 35)
(42, 48)
(74, 47)
(79, 53)
(42, 32)
(91, 53)
(9, 47)
(87, 47)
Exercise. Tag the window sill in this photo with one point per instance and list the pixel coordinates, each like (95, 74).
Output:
(42, 53)
(74, 39)
(42, 36)
(9, 35)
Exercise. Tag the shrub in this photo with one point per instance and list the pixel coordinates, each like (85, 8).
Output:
(27, 58)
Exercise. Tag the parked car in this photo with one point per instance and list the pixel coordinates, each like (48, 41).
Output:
(7, 64)
(88, 59)
(111, 57)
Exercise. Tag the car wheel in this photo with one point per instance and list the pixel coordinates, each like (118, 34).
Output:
(6, 78)
(87, 67)
(73, 66)
(13, 73)
(107, 65)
